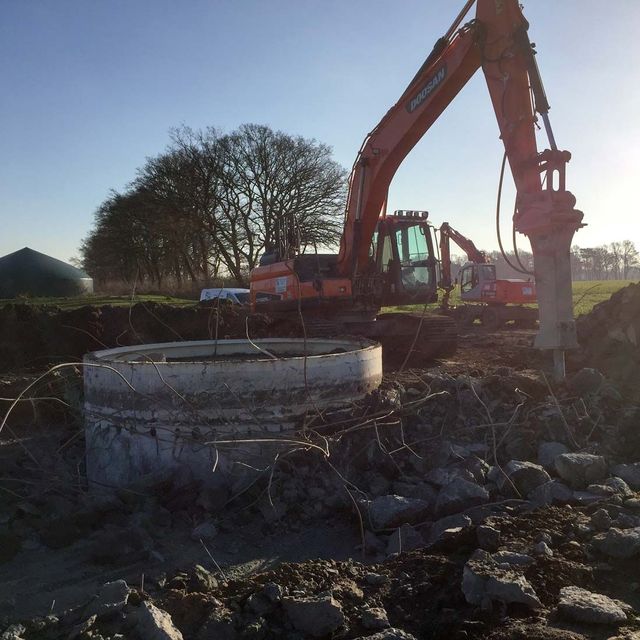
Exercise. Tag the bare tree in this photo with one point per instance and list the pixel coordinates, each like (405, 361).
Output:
(629, 256)
(212, 203)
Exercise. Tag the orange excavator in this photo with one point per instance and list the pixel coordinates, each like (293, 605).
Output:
(388, 259)
(494, 301)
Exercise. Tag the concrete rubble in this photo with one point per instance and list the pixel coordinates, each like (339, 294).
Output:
(457, 502)
(581, 605)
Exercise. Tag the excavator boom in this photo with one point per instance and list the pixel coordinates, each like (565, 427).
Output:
(496, 41)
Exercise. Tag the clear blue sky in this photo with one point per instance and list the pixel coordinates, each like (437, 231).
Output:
(90, 88)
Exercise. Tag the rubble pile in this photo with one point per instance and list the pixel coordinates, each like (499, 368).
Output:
(547, 575)
(477, 504)
(609, 338)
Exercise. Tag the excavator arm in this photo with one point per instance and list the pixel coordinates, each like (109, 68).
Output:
(497, 42)
(447, 234)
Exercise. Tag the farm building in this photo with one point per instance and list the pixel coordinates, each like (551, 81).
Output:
(31, 273)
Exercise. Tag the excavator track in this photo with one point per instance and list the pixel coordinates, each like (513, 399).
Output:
(409, 339)
(415, 340)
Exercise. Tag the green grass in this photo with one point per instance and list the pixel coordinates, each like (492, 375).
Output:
(585, 296)
(98, 301)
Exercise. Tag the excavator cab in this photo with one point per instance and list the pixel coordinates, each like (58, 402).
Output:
(478, 282)
(403, 257)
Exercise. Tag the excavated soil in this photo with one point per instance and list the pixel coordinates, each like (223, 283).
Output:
(447, 471)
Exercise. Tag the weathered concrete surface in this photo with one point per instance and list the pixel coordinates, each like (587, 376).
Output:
(187, 403)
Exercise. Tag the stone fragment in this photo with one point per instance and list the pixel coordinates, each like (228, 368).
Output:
(482, 582)
(548, 452)
(449, 522)
(442, 476)
(316, 616)
(602, 490)
(554, 492)
(524, 476)
(478, 468)
(488, 537)
(619, 486)
(626, 521)
(392, 511)
(201, 580)
(581, 469)
(581, 605)
(630, 473)
(156, 624)
(459, 495)
(375, 579)
(543, 549)
(374, 619)
(618, 543)
(13, 632)
(601, 520)
(513, 558)
(111, 597)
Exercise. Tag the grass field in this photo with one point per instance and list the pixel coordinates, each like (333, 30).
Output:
(98, 301)
(585, 295)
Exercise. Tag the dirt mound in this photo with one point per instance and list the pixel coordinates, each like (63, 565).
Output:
(609, 337)
(32, 336)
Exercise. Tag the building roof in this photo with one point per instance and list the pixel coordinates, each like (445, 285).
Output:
(30, 261)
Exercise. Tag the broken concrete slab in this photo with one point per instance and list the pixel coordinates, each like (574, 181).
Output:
(482, 581)
(523, 475)
(456, 521)
(315, 616)
(156, 624)
(553, 492)
(581, 605)
(375, 619)
(488, 537)
(459, 495)
(111, 598)
(390, 511)
(581, 469)
(619, 543)
(630, 473)
(512, 558)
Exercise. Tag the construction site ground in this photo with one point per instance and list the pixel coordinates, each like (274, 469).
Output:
(474, 498)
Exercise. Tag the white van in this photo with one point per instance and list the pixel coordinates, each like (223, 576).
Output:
(233, 296)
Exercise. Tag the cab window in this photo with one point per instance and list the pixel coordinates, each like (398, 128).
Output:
(468, 279)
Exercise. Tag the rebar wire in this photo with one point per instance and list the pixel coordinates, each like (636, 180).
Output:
(253, 344)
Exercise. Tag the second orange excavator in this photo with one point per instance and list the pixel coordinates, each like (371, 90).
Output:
(493, 301)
